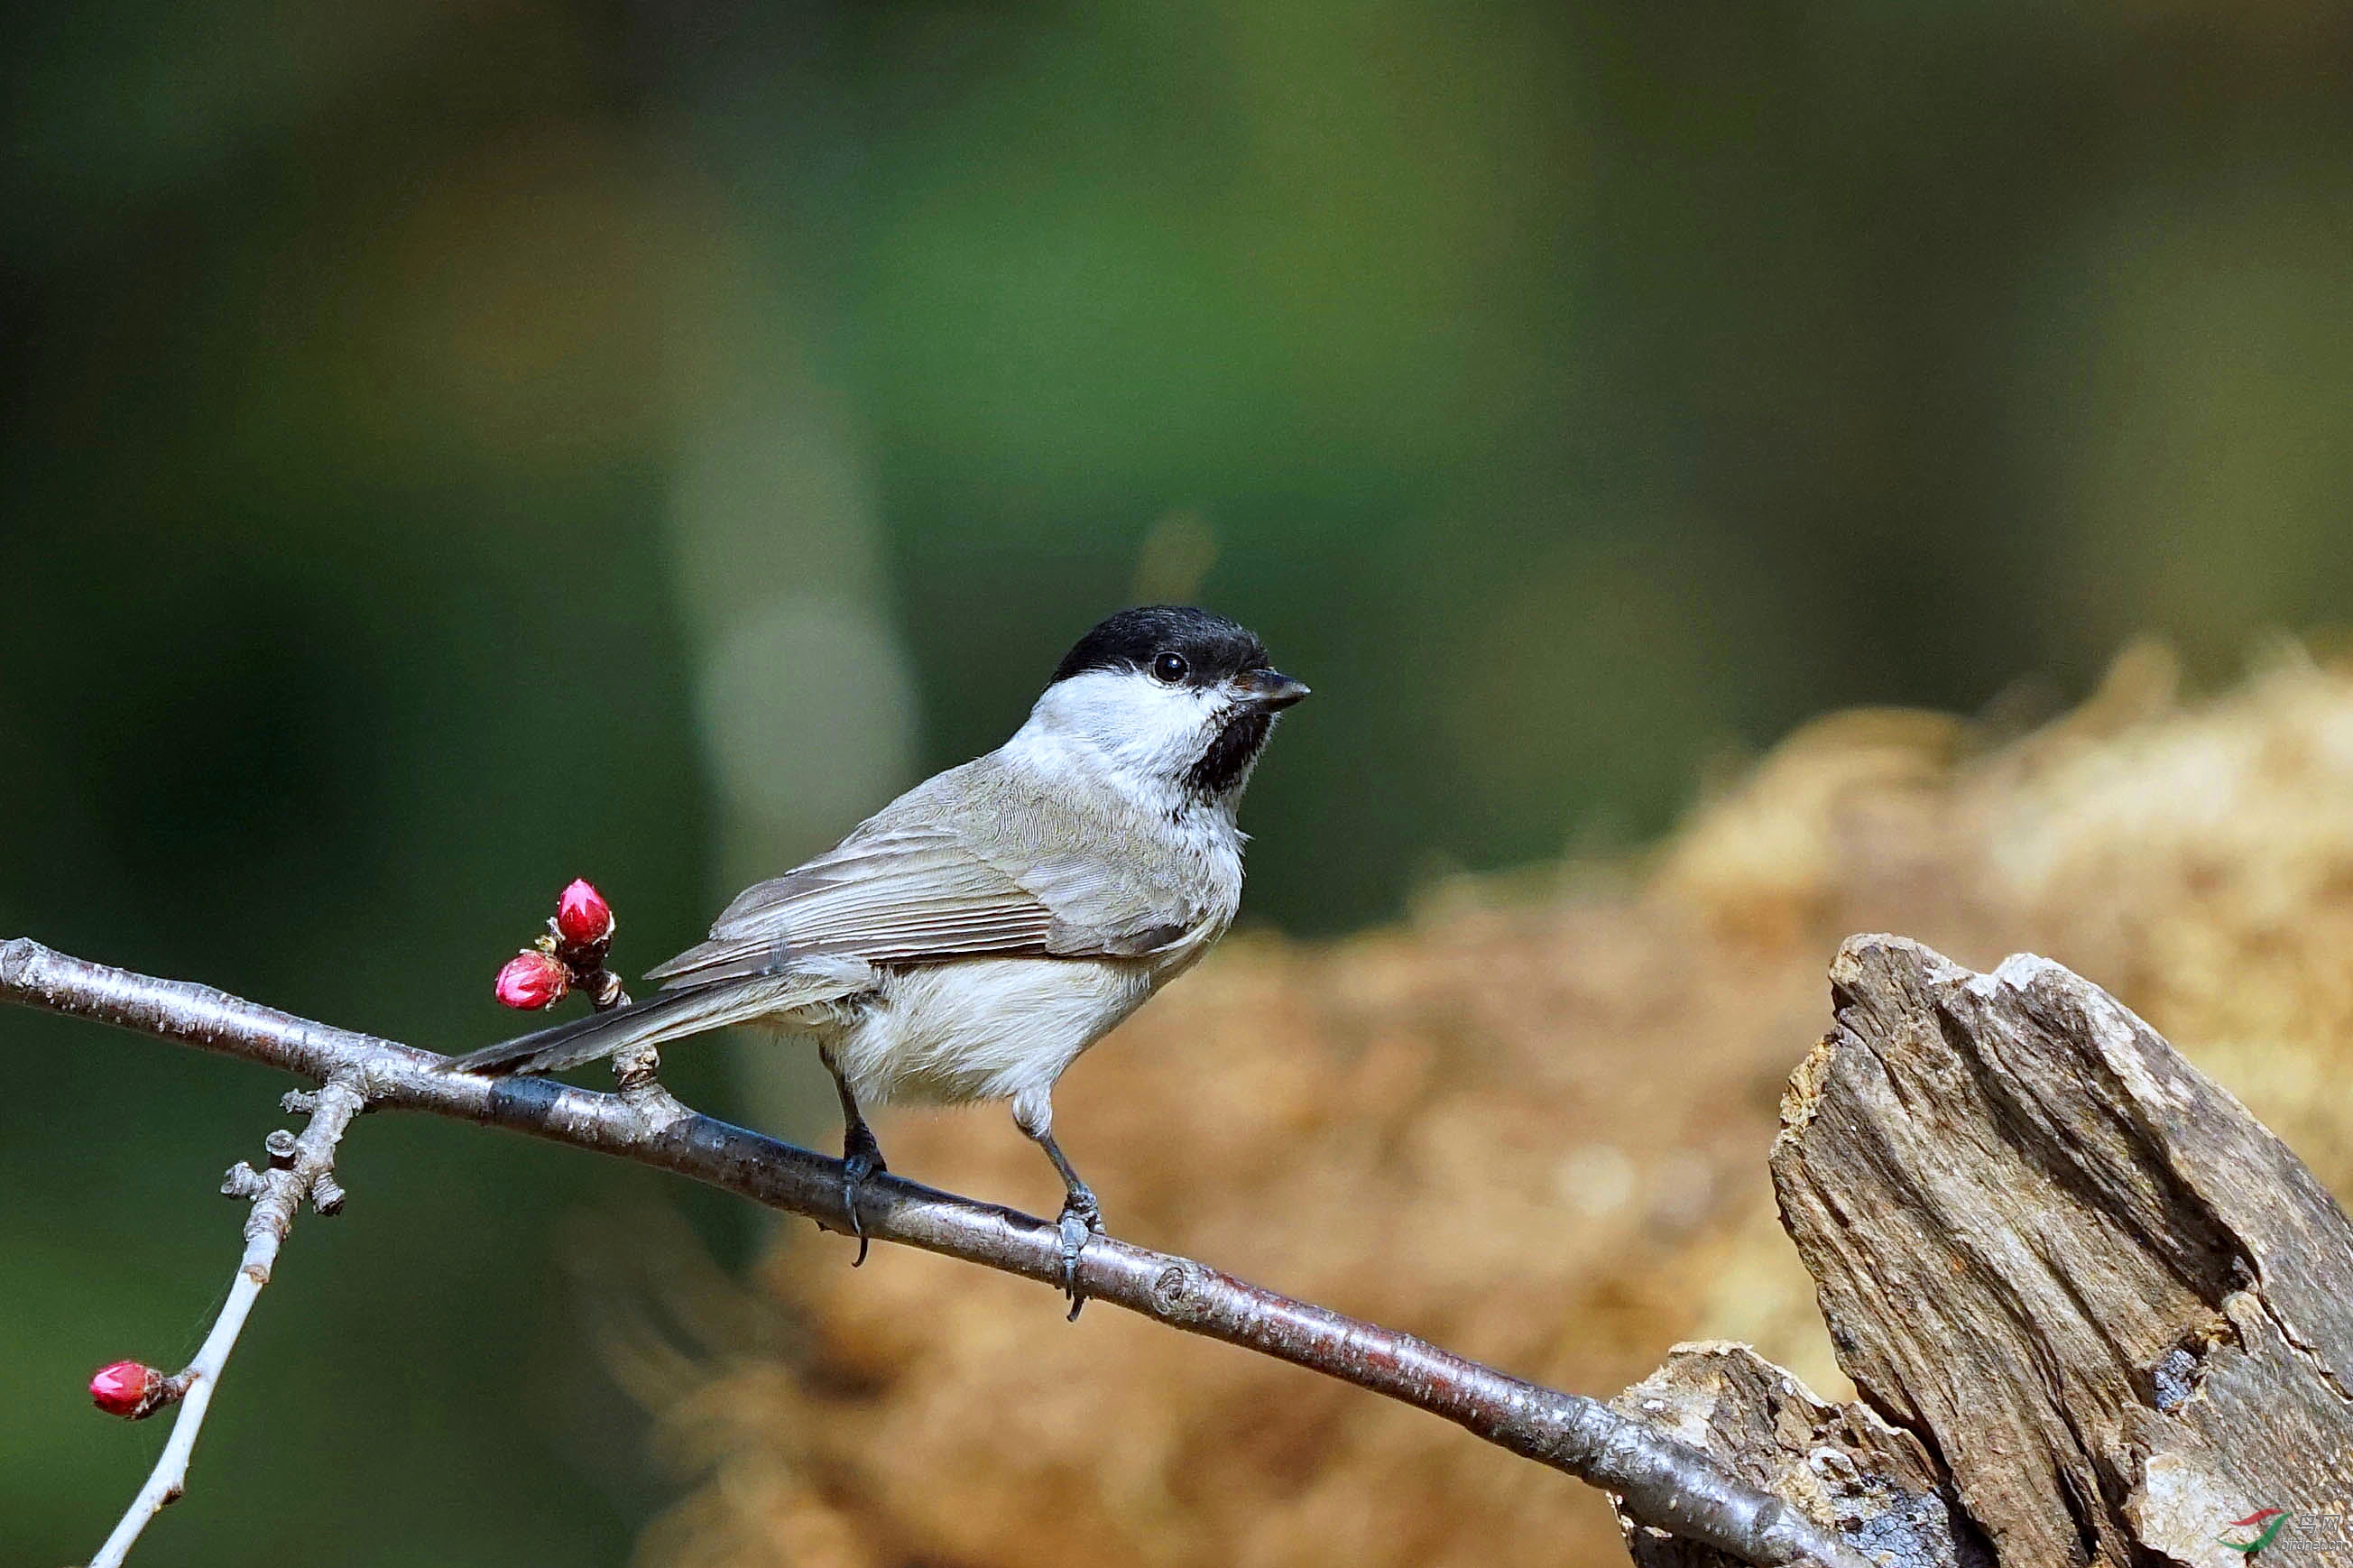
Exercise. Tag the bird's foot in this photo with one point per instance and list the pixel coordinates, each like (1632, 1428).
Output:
(861, 1158)
(1082, 1217)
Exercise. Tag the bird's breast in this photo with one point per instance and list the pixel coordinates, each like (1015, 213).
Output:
(986, 1028)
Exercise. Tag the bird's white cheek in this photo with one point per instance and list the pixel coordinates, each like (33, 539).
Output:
(1146, 731)
(1171, 733)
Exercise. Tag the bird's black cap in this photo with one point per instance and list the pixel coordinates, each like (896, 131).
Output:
(1213, 647)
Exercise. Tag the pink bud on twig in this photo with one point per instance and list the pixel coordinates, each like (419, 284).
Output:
(532, 979)
(125, 1388)
(583, 918)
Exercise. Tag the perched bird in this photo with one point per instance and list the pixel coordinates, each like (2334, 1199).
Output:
(971, 939)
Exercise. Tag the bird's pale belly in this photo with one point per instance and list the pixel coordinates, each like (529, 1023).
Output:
(988, 1029)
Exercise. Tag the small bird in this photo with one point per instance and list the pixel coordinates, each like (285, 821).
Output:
(971, 939)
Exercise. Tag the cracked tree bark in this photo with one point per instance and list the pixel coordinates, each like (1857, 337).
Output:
(2104, 1311)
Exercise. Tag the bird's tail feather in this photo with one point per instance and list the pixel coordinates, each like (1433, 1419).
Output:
(657, 1019)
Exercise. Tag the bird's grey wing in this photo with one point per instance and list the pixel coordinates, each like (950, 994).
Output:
(1105, 906)
(889, 894)
(1116, 882)
(955, 869)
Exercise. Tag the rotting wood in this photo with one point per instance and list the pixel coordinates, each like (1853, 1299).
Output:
(2116, 1311)
(1842, 1465)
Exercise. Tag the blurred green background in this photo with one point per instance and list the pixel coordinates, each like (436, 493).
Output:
(452, 448)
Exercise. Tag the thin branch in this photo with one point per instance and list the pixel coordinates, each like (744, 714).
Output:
(1665, 1483)
(306, 1171)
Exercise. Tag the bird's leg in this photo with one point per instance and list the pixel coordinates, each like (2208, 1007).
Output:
(860, 1156)
(1081, 1215)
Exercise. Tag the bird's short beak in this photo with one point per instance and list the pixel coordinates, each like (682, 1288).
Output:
(1269, 690)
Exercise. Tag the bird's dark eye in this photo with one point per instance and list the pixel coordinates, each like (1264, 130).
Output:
(1170, 668)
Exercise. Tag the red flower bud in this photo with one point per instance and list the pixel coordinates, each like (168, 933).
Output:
(532, 979)
(124, 1387)
(583, 918)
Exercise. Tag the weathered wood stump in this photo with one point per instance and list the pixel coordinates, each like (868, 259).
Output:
(2102, 1311)
(1841, 1463)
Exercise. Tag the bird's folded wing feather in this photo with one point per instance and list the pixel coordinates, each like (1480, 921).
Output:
(892, 896)
(919, 882)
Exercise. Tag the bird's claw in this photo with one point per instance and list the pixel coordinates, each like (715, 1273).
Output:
(860, 1160)
(1080, 1219)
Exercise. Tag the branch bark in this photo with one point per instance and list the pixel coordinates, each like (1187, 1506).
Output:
(1665, 1484)
(307, 1171)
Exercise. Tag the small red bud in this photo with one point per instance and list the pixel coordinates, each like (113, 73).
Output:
(532, 979)
(124, 1387)
(583, 918)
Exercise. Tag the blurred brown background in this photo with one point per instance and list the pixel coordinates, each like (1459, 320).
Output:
(450, 450)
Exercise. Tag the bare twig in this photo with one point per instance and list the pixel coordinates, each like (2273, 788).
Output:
(301, 1167)
(1663, 1483)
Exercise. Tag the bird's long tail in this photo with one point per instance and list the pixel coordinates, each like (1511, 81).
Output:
(665, 1017)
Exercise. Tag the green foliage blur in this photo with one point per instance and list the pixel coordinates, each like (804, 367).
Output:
(452, 448)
